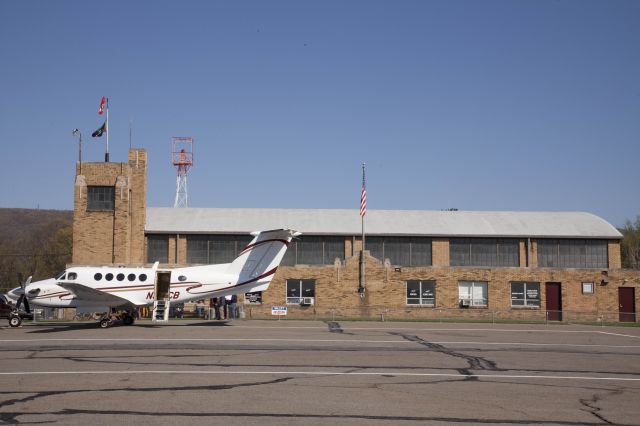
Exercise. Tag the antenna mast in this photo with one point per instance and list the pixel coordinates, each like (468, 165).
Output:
(182, 159)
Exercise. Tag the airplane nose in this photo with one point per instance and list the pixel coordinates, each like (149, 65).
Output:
(33, 293)
(16, 292)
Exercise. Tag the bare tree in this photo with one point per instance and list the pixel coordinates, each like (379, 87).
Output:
(631, 244)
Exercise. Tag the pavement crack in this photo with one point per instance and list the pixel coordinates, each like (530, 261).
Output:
(32, 396)
(305, 417)
(475, 362)
(591, 406)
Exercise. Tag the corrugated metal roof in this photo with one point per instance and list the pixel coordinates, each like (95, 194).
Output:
(381, 222)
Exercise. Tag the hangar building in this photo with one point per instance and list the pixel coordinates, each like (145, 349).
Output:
(418, 264)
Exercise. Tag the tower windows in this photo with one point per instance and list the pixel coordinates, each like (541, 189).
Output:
(100, 198)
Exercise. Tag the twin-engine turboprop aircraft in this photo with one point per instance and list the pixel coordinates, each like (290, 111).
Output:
(126, 288)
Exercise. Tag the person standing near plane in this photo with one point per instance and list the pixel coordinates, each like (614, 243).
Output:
(233, 307)
(226, 301)
(216, 306)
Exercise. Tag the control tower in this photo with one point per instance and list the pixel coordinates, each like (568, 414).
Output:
(182, 159)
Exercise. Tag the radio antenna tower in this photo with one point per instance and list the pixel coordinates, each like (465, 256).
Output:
(182, 159)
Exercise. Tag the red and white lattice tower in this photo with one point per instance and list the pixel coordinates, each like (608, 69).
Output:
(182, 159)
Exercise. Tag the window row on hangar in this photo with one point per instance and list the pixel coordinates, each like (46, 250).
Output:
(401, 251)
(523, 294)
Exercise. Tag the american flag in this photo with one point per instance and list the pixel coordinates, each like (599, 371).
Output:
(363, 197)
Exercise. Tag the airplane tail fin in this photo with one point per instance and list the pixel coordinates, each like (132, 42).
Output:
(258, 262)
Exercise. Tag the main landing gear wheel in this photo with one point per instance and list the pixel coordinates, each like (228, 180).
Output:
(15, 321)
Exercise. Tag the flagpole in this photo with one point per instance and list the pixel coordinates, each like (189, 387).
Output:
(74, 133)
(363, 186)
(363, 210)
(106, 154)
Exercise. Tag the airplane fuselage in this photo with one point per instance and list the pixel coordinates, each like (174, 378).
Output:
(126, 287)
(137, 285)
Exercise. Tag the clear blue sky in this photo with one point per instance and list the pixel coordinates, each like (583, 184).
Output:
(477, 105)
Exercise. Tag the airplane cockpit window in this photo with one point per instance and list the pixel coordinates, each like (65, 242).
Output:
(131, 277)
(97, 276)
(109, 276)
(59, 275)
(143, 277)
(72, 276)
(120, 277)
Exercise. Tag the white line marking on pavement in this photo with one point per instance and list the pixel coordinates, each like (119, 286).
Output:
(182, 340)
(618, 334)
(323, 373)
(498, 330)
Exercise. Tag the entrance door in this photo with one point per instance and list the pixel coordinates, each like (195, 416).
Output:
(163, 282)
(554, 301)
(627, 304)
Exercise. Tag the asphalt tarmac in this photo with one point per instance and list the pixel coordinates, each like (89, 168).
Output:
(313, 372)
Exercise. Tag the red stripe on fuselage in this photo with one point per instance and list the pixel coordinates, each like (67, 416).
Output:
(265, 275)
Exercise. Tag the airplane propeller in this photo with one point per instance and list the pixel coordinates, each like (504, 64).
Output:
(23, 297)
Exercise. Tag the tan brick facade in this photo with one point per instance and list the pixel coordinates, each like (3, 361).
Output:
(440, 252)
(117, 236)
(336, 291)
(615, 258)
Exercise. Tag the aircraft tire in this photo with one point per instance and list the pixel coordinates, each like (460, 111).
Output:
(15, 321)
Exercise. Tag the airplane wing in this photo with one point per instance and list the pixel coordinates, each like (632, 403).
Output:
(89, 294)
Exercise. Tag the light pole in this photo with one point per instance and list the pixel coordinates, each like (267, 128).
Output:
(77, 132)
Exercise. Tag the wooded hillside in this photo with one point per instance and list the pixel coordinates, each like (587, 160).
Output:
(33, 242)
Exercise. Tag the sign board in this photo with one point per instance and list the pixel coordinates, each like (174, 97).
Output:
(278, 310)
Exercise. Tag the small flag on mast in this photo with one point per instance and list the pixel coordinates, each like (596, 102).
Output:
(101, 110)
(363, 196)
(98, 133)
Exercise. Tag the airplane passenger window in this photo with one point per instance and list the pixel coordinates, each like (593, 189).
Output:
(182, 278)
(72, 276)
(143, 277)
(131, 277)
(120, 277)
(108, 277)
(97, 276)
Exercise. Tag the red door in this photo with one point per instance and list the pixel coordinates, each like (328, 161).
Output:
(627, 304)
(554, 301)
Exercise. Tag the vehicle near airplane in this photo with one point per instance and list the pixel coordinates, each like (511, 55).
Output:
(122, 289)
(14, 306)
(12, 312)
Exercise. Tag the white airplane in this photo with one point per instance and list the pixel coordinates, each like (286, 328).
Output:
(89, 287)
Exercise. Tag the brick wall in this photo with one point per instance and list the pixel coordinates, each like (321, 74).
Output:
(440, 252)
(336, 290)
(615, 258)
(336, 285)
(104, 237)
(138, 175)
